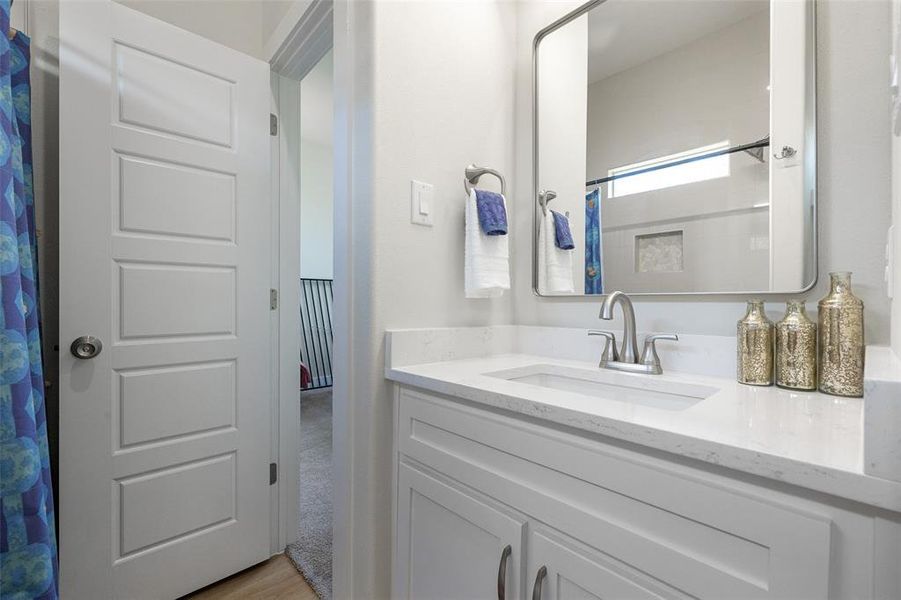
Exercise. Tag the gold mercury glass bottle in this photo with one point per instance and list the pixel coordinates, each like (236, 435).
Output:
(755, 346)
(796, 349)
(841, 342)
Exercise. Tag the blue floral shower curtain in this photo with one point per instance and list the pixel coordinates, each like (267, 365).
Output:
(28, 560)
(594, 282)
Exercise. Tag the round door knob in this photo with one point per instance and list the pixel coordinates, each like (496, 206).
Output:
(87, 346)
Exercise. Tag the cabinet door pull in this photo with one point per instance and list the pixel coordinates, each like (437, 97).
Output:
(539, 577)
(502, 573)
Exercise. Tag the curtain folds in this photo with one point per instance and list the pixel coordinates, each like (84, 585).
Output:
(28, 557)
(594, 283)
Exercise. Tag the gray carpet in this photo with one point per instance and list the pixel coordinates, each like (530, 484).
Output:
(312, 553)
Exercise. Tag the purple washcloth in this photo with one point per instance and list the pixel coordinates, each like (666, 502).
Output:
(492, 213)
(563, 237)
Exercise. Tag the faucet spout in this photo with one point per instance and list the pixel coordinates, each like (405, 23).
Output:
(629, 351)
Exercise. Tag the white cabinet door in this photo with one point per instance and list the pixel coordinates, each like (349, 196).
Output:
(451, 545)
(164, 226)
(559, 569)
(708, 536)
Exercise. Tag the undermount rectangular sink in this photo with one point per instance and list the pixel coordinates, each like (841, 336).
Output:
(644, 390)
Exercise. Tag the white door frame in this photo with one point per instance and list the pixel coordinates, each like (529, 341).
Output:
(302, 38)
(358, 527)
(285, 320)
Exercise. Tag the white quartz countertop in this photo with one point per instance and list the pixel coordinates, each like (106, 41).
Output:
(803, 438)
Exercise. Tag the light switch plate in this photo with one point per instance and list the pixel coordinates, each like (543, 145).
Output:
(422, 203)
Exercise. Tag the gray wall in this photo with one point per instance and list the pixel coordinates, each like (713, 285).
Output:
(710, 90)
(316, 194)
(316, 210)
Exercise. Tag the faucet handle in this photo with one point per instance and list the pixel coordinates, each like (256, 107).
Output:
(610, 343)
(661, 336)
(649, 354)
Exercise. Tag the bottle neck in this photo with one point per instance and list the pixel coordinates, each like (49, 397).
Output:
(794, 308)
(755, 309)
(841, 283)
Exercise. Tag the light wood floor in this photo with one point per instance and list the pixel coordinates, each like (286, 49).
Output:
(275, 579)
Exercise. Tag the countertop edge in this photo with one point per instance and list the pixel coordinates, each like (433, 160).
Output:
(858, 487)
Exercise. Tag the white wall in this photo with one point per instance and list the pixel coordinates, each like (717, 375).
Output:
(439, 105)
(273, 13)
(435, 93)
(234, 23)
(853, 165)
(316, 210)
(279, 18)
(316, 149)
(710, 90)
(896, 182)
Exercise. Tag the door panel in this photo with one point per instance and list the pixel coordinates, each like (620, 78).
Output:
(204, 306)
(164, 403)
(164, 221)
(449, 544)
(203, 490)
(194, 104)
(168, 199)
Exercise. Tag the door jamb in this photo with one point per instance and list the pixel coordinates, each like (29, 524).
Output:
(285, 322)
(304, 44)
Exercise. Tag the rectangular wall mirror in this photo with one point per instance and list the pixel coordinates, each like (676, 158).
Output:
(676, 138)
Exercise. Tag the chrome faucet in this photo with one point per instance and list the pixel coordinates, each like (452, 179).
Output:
(627, 359)
(629, 352)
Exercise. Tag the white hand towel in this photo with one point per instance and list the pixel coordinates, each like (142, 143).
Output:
(555, 266)
(487, 259)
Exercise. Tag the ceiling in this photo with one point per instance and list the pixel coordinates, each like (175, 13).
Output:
(626, 33)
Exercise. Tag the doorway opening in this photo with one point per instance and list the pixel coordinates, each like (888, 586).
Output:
(312, 552)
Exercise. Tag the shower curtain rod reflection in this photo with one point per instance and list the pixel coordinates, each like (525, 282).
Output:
(749, 148)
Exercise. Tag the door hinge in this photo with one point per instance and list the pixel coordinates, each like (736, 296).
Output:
(273, 124)
(273, 473)
(273, 299)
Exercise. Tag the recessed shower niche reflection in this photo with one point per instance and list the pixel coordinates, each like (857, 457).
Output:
(678, 150)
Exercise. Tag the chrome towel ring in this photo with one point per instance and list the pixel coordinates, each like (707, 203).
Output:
(473, 173)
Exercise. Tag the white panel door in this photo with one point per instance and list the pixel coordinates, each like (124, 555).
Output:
(164, 221)
(451, 545)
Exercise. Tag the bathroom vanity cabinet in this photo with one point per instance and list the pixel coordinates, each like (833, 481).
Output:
(587, 516)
